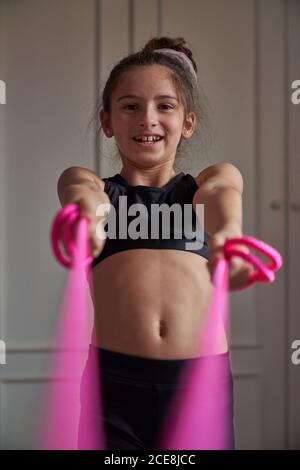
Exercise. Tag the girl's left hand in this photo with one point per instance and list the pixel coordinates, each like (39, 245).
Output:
(239, 269)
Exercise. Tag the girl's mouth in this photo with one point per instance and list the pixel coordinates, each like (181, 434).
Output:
(147, 143)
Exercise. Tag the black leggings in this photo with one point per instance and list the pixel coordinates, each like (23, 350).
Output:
(136, 392)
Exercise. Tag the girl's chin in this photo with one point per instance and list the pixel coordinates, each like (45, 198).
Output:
(143, 153)
(141, 160)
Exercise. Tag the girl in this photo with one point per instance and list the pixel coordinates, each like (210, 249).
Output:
(150, 294)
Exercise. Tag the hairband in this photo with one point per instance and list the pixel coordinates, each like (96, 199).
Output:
(182, 57)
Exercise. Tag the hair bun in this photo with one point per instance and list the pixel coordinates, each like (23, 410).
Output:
(178, 44)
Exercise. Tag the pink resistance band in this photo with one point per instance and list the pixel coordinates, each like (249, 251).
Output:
(59, 426)
(197, 418)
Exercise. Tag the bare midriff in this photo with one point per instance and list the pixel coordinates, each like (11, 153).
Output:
(152, 303)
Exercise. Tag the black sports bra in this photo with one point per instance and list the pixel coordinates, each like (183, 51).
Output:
(126, 230)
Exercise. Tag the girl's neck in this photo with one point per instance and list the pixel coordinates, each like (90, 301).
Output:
(157, 177)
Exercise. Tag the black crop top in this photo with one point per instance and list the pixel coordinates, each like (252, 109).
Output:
(178, 191)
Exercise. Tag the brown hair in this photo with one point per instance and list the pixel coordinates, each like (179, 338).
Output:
(188, 89)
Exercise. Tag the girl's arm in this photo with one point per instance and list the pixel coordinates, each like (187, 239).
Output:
(220, 190)
(77, 176)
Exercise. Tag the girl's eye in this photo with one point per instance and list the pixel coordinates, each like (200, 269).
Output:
(127, 106)
(132, 106)
(168, 106)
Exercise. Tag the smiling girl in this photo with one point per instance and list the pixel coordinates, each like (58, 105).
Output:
(150, 295)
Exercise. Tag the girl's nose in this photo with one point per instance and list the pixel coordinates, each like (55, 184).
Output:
(148, 117)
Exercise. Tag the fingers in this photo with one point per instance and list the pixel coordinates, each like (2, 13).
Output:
(240, 280)
(238, 269)
(212, 262)
(239, 272)
(215, 244)
(235, 265)
(97, 237)
(95, 231)
(65, 245)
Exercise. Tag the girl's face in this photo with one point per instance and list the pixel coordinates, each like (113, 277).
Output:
(145, 102)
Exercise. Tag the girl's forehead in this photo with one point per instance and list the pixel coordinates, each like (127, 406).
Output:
(145, 80)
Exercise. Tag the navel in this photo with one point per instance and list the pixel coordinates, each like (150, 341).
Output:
(162, 329)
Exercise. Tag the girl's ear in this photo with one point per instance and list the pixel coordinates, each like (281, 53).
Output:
(105, 123)
(188, 126)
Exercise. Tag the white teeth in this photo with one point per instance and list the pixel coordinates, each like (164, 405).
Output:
(151, 138)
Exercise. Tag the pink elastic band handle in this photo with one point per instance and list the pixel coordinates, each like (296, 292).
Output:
(264, 272)
(62, 224)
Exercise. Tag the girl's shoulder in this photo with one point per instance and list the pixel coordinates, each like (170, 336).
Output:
(80, 175)
(221, 174)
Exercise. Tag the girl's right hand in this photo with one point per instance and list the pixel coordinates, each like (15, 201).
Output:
(87, 207)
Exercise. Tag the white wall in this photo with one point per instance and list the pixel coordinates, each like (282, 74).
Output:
(49, 68)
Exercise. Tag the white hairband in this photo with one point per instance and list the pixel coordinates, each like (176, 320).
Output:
(182, 57)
